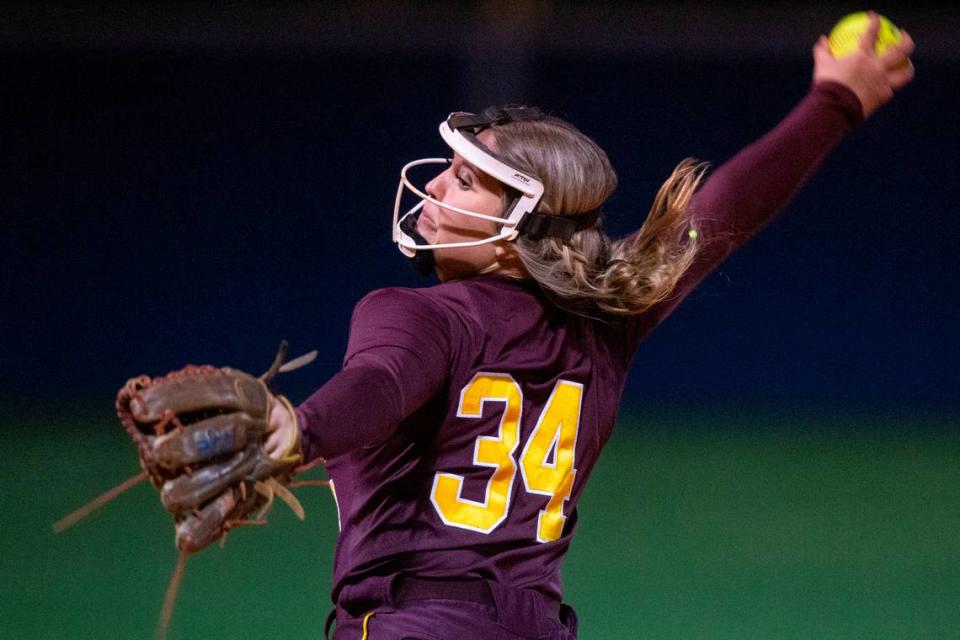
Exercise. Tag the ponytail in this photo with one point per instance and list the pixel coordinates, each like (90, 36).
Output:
(645, 267)
(589, 274)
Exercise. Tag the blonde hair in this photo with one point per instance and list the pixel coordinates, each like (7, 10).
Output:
(590, 274)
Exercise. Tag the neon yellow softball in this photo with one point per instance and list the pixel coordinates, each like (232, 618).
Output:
(845, 35)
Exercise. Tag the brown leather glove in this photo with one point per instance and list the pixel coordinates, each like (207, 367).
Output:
(199, 433)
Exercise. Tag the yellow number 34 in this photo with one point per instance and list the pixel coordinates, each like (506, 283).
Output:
(555, 433)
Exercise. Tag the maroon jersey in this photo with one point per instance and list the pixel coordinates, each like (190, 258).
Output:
(468, 416)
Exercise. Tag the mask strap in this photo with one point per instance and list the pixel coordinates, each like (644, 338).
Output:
(477, 122)
(537, 226)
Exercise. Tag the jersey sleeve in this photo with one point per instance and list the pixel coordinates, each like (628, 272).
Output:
(397, 358)
(742, 195)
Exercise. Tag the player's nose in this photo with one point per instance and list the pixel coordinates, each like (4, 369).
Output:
(434, 187)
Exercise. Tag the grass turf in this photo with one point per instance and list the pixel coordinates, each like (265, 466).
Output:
(692, 527)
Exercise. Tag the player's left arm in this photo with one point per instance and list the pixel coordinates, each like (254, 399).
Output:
(398, 358)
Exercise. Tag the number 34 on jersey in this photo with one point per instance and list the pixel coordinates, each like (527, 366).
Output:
(542, 474)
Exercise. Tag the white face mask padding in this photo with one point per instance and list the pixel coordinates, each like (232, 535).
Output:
(531, 190)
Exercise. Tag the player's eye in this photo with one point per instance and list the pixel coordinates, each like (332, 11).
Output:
(463, 180)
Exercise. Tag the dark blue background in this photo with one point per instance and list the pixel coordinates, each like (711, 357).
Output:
(166, 206)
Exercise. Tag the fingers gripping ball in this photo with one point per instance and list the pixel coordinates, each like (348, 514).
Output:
(198, 433)
(845, 35)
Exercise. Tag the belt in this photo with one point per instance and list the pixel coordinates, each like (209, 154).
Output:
(408, 589)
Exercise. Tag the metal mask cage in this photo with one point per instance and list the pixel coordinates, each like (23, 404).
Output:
(466, 144)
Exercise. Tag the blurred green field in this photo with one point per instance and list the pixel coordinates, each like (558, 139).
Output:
(694, 526)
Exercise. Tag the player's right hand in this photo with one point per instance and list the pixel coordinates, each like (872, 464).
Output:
(873, 78)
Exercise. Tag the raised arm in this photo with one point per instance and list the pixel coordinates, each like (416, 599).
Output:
(741, 196)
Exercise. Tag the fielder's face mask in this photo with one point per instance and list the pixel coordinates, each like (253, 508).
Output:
(460, 131)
